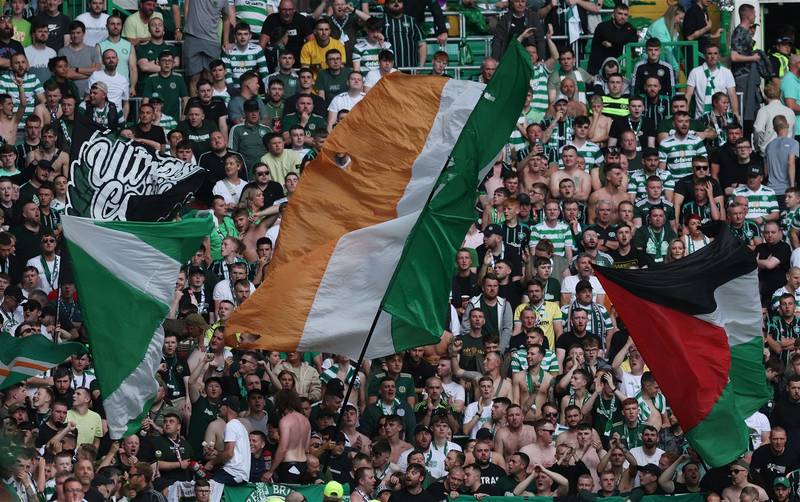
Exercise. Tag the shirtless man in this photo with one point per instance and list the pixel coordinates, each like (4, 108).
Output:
(249, 233)
(48, 150)
(501, 387)
(572, 170)
(739, 472)
(289, 462)
(51, 106)
(392, 430)
(589, 450)
(514, 434)
(530, 388)
(543, 451)
(231, 458)
(615, 190)
(9, 119)
(573, 418)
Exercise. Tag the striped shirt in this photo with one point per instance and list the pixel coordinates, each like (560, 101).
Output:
(519, 361)
(637, 182)
(760, 202)
(780, 330)
(405, 35)
(332, 372)
(367, 54)
(658, 111)
(660, 402)
(517, 140)
(560, 235)
(692, 207)
(167, 123)
(540, 100)
(238, 61)
(33, 87)
(562, 134)
(677, 153)
(590, 152)
(790, 219)
(776, 297)
(252, 12)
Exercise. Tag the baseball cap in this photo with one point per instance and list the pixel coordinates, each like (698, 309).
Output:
(484, 433)
(744, 464)
(100, 85)
(781, 481)
(44, 164)
(561, 97)
(651, 468)
(582, 285)
(422, 428)
(784, 40)
(523, 199)
(196, 270)
(231, 402)
(754, 171)
(492, 229)
(333, 489)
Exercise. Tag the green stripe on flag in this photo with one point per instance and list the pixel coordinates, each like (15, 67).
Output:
(417, 295)
(174, 239)
(22, 358)
(722, 435)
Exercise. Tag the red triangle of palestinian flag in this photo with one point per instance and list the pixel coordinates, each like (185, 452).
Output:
(697, 324)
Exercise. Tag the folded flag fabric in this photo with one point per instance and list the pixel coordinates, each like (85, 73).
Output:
(30, 356)
(386, 223)
(697, 324)
(126, 273)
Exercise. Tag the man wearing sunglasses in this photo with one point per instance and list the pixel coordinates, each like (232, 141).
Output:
(684, 187)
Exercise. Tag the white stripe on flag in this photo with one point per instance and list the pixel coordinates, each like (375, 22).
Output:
(741, 315)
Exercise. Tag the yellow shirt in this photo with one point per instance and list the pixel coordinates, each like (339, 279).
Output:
(134, 27)
(546, 315)
(313, 56)
(280, 166)
(89, 426)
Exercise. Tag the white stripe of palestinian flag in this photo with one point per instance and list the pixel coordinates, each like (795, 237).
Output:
(126, 284)
(736, 312)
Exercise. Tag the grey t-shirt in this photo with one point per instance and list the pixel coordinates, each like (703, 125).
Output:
(777, 157)
(81, 58)
(203, 18)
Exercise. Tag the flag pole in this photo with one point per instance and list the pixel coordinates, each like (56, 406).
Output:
(352, 381)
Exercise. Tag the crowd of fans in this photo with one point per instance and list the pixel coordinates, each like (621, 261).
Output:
(536, 387)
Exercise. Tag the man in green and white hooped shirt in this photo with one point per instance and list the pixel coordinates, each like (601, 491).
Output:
(34, 92)
(542, 69)
(676, 152)
(762, 203)
(589, 151)
(253, 13)
(555, 231)
(651, 402)
(244, 56)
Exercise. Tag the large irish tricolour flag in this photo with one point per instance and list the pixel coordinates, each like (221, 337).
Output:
(697, 323)
(379, 234)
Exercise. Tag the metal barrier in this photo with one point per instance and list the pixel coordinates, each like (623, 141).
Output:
(628, 60)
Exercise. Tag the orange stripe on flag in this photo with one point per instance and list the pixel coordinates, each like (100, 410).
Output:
(331, 202)
(32, 365)
(4, 372)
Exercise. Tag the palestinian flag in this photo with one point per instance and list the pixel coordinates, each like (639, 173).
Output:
(22, 358)
(697, 324)
(126, 273)
(373, 243)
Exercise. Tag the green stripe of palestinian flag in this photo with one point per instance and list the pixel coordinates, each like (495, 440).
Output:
(22, 358)
(125, 273)
(417, 295)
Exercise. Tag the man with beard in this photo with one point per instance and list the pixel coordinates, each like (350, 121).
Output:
(691, 477)
(412, 490)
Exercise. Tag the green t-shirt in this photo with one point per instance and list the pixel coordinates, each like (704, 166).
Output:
(330, 84)
(404, 384)
(315, 123)
(170, 89)
(172, 452)
(203, 413)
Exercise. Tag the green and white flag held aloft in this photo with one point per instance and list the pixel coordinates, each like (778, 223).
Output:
(125, 273)
(30, 356)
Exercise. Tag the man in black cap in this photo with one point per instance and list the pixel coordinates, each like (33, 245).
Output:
(9, 308)
(331, 400)
(231, 466)
(246, 137)
(780, 56)
(494, 247)
(648, 479)
(762, 203)
(42, 170)
(101, 490)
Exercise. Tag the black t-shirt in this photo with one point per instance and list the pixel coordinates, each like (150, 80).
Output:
(156, 133)
(57, 25)
(568, 339)
(28, 243)
(635, 258)
(320, 108)
(512, 292)
(694, 20)
(490, 473)
(420, 371)
(46, 433)
(297, 30)
(730, 170)
(509, 254)
(213, 110)
(571, 472)
(766, 465)
(464, 286)
(770, 280)
(404, 496)
(622, 124)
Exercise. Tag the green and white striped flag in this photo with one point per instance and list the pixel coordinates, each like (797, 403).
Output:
(125, 273)
(22, 358)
